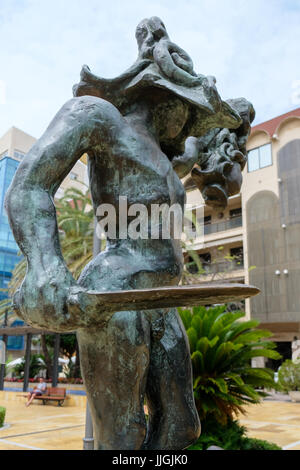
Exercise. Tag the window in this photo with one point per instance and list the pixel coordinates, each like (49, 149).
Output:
(19, 155)
(191, 266)
(205, 260)
(259, 158)
(207, 225)
(235, 213)
(73, 176)
(238, 252)
(238, 255)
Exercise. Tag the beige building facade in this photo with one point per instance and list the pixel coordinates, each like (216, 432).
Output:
(15, 144)
(256, 240)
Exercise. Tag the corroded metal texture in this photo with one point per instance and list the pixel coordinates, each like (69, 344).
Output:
(142, 131)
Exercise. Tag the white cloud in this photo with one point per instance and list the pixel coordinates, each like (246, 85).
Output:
(253, 49)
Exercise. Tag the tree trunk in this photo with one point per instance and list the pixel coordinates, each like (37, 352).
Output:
(47, 356)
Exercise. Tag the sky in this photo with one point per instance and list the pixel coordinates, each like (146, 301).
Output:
(251, 47)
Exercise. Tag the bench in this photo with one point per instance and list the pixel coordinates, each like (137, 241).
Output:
(53, 394)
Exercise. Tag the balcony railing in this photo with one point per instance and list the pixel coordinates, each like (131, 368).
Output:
(223, 226)
(208, 229)
(216, 268)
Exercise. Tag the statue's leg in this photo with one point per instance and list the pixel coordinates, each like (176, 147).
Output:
(115, 361)
(173, 418)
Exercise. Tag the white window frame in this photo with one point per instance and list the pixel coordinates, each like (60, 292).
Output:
(260, 167)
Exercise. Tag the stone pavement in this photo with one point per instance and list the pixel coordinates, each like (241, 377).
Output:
(274, 421)
(51, 427)
(46, 427)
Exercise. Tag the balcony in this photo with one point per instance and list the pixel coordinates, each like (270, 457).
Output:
(222, 267)
(228, 224)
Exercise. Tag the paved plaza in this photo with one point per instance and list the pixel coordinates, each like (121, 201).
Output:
(274, 421)
(51, 427)
(40, 427)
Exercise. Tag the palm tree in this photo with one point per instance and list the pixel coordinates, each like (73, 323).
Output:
(222, 345)
(76, 224)
(5, 305)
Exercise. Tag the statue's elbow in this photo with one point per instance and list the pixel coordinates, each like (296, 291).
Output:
(14, 199)
(9, 199)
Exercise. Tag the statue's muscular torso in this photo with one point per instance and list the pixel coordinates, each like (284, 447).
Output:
(134, 167)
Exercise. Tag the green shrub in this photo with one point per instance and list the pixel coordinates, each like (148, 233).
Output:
(258, 444)
(230, 437)
(36, 365)
(222, 347)
(289, 376)
(2, 415)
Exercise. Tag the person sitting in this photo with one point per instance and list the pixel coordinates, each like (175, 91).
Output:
(40, 389)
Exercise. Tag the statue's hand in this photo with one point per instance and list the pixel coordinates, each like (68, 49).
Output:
(42, 299)
(184, 163)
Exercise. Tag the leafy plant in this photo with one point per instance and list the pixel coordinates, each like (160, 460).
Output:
(233, 436)
(76, 223)
(2, 415)
(5, 303)
(289, 376)
(36, 365)
(222, 347)
(68, 347)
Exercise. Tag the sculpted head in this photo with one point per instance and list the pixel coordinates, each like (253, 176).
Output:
(223, 157)
(164, 75)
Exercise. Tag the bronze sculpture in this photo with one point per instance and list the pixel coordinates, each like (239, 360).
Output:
(139, 130)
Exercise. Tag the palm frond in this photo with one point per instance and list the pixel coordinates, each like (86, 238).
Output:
(222, 345)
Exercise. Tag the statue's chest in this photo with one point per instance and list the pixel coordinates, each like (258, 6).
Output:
(143, 177)
(154, 182)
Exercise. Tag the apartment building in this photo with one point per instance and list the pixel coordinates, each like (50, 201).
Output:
(14, 145)
(256, 240)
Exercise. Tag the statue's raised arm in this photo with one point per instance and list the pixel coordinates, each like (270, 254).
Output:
(82, 125)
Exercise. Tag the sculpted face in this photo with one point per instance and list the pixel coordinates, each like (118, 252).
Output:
(222, 159)
(219, 183)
